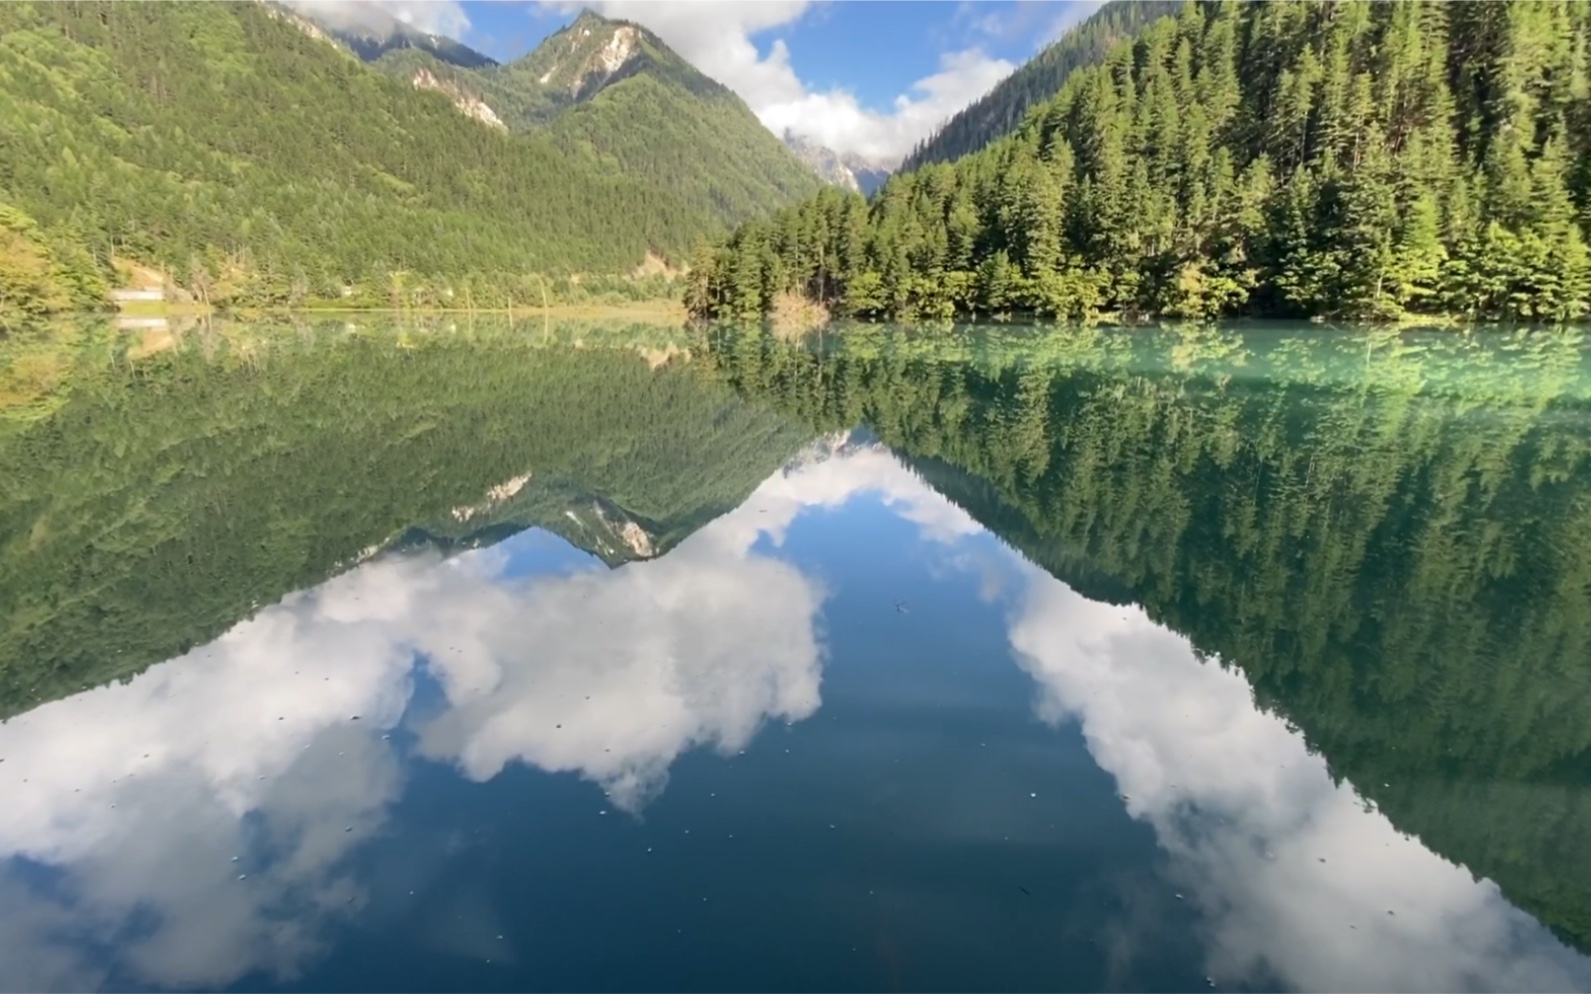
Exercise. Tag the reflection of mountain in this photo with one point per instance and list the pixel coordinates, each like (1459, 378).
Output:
(561, 506)
(153, 503)
(198, 822)
(1390, 536)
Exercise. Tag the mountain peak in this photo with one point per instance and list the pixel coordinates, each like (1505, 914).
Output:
(580, 59)
(588, 17)
(371, 33)
(847, 171)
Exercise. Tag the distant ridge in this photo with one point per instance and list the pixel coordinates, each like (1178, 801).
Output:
(1001, 110)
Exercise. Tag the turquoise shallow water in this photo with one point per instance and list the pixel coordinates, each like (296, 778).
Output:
(605, 657)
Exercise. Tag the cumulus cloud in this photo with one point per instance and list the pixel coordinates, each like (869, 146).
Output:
(716, 37)
(439, 17)
(1293, 874)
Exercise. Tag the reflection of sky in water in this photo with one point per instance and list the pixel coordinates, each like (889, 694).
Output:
(202, 823)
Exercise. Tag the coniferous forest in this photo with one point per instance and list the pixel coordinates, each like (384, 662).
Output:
(1000, 111)
(1337, 159)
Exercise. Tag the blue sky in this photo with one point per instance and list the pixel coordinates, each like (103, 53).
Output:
(870, 78)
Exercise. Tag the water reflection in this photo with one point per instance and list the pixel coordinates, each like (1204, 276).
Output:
(1301, 883)
(271, 744)
(1198, 601)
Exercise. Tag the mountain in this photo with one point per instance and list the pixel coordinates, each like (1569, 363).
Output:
(242, 150)
(824, 161)
(1350, 160)
(870, 173)
(999, 112)
(619, 102)
(848, 172)
(263, 166)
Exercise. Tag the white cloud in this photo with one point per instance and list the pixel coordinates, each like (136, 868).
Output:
(439, 17)
(1294, 876)
(716, 37)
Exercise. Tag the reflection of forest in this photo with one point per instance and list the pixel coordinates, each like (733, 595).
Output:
(1390, 534)
(150, 498)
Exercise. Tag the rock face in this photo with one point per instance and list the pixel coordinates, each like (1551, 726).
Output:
(469, 104)
(851, 172)
(585, 56)
(822, 160)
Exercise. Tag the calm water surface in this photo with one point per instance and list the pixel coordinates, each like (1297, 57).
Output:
(602, 658)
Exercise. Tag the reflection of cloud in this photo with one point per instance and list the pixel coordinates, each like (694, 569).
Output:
(833, 472)
(138, 792)
(1294, 875)
(125, 805)
(631, 668)
(135, 798)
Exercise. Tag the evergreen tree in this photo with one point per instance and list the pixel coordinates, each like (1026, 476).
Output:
(1340, 159)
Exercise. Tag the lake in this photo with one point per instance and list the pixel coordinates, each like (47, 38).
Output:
(447, 655)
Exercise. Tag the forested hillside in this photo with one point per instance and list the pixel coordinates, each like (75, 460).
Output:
(1000, 111)
(1302, 159)
(260, 165)
(43, 271)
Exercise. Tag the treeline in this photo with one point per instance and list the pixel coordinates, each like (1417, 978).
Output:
(1388, 533)
(1340, 159)
(258, 165)
(1002, 110)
